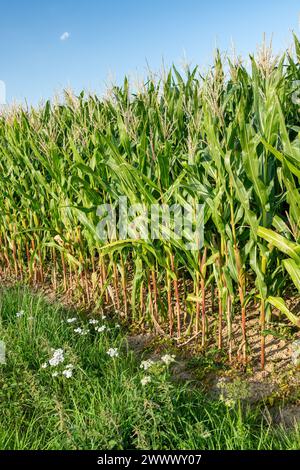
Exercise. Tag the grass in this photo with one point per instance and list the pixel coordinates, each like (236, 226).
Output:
(103, 405)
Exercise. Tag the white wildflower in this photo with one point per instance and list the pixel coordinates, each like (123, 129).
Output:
(55, 374)
(45, 365)
(93, 321)
(168, 359)
(117, 325)
(20, 314)
(78, 330)
(71, 320)
(57, 358)
(146, 380)
(147, 364)
(229, 402)
(68, 373)
(100, 328)
(113, 352)
(103, 317)
(81, 331)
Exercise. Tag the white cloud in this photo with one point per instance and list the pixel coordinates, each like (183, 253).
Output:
(65, 36)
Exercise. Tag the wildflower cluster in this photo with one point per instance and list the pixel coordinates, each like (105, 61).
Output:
(168, 359)
(68, 371)
(101, 328)
(58, 358)
(81, 331)
(146, 380)
(113, 352)
(92, 322)
(157, 368)
(147, 364)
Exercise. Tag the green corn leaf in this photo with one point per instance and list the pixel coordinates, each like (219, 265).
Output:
(279, 303)
(284, 245)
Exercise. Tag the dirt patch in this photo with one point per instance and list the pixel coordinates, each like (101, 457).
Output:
(182, 372)
(287, 416)
(241, 388)
(138, 343)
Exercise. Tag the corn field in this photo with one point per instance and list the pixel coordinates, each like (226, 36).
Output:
(229, 140)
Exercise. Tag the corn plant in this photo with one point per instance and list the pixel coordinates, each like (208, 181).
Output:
(229, 140)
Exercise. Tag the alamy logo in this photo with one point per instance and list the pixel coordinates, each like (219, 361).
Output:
(154, 222)
(2, 352)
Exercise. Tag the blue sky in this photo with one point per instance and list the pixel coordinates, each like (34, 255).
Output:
(108, 39)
